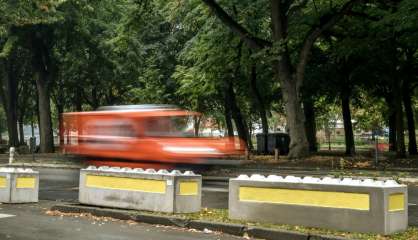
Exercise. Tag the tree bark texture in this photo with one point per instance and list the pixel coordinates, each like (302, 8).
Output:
(259, 100)
(260, 105)
(21, 133)
(412, 143)
(310, 124)
(228, 117)
(9, 100)
(295, 118)
(78, 99)
(400, 135)
(60, 110)
(237, 115)
(41, 63)
(391, 121)
(45, 124)
(348, 126)
(392, 132)
(21, 114)
(197, 120)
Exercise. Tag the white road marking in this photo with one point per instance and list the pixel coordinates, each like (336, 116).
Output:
(412, 204)
(6, 215)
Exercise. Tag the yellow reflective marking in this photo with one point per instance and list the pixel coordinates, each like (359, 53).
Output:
(396, 202)
(25, 182)
(188, 188)
(2, 182)
(357, 201)
(124, 183)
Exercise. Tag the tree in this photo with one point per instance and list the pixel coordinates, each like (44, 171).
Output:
(290, 75)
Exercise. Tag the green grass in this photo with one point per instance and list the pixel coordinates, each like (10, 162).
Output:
(221, 215)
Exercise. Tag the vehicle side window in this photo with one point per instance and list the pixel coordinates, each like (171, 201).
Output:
(115, 128)
(171, 126)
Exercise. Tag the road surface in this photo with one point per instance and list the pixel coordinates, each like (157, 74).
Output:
(30, 222)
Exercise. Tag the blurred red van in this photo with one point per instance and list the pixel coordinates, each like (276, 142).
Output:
(142, 133)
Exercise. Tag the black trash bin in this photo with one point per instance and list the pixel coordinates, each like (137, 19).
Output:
(280, 141)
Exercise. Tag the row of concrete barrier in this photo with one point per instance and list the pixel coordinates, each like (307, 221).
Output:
(340, 204)
(18, 185)
(161, 191)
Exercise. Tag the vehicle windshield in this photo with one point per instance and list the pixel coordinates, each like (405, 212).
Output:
(169, 126)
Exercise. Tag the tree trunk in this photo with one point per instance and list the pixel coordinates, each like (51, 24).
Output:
(197, 120)
(60, 110)
(22, 112)
(348, 127)
(412, 145)
(12, 127)
(391, 122)
(42, 66)
(400, 135)
(240, 122)
(236, 114)
(228, 118)
(248, 132)
(95, 100)
(21, 133)
(295, 119)
(260, 105)
(78, 102)
(44, 108)
(259, 99)
(290, 84)
(9, 100)
(392, 132)
(310, 124)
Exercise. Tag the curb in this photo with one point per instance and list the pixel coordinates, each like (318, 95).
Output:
(409, 180)
(405, 180)
(43, 165)
(295, 168)
(233, 229)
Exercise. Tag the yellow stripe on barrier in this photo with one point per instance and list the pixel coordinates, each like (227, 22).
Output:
(25, 182)
(396, 202)
(2, 182)
(188, 188)
(357, 201)
(129, 184)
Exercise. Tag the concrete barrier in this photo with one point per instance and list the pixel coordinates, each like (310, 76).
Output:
(162, 191)
(18, 185)
(338, 204)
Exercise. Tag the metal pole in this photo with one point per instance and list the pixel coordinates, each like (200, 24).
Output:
(11, 154)
(276, 154)
(377, 149)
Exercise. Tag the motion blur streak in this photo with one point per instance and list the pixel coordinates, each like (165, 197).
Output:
(190, 150)
(157, 134)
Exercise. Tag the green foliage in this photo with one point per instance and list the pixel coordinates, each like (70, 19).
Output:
(106, 52)
(8, 47)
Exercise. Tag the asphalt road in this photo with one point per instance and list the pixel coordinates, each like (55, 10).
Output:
(30, 222)
(62, 185)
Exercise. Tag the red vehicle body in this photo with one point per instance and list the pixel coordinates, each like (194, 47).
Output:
(142, 135)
